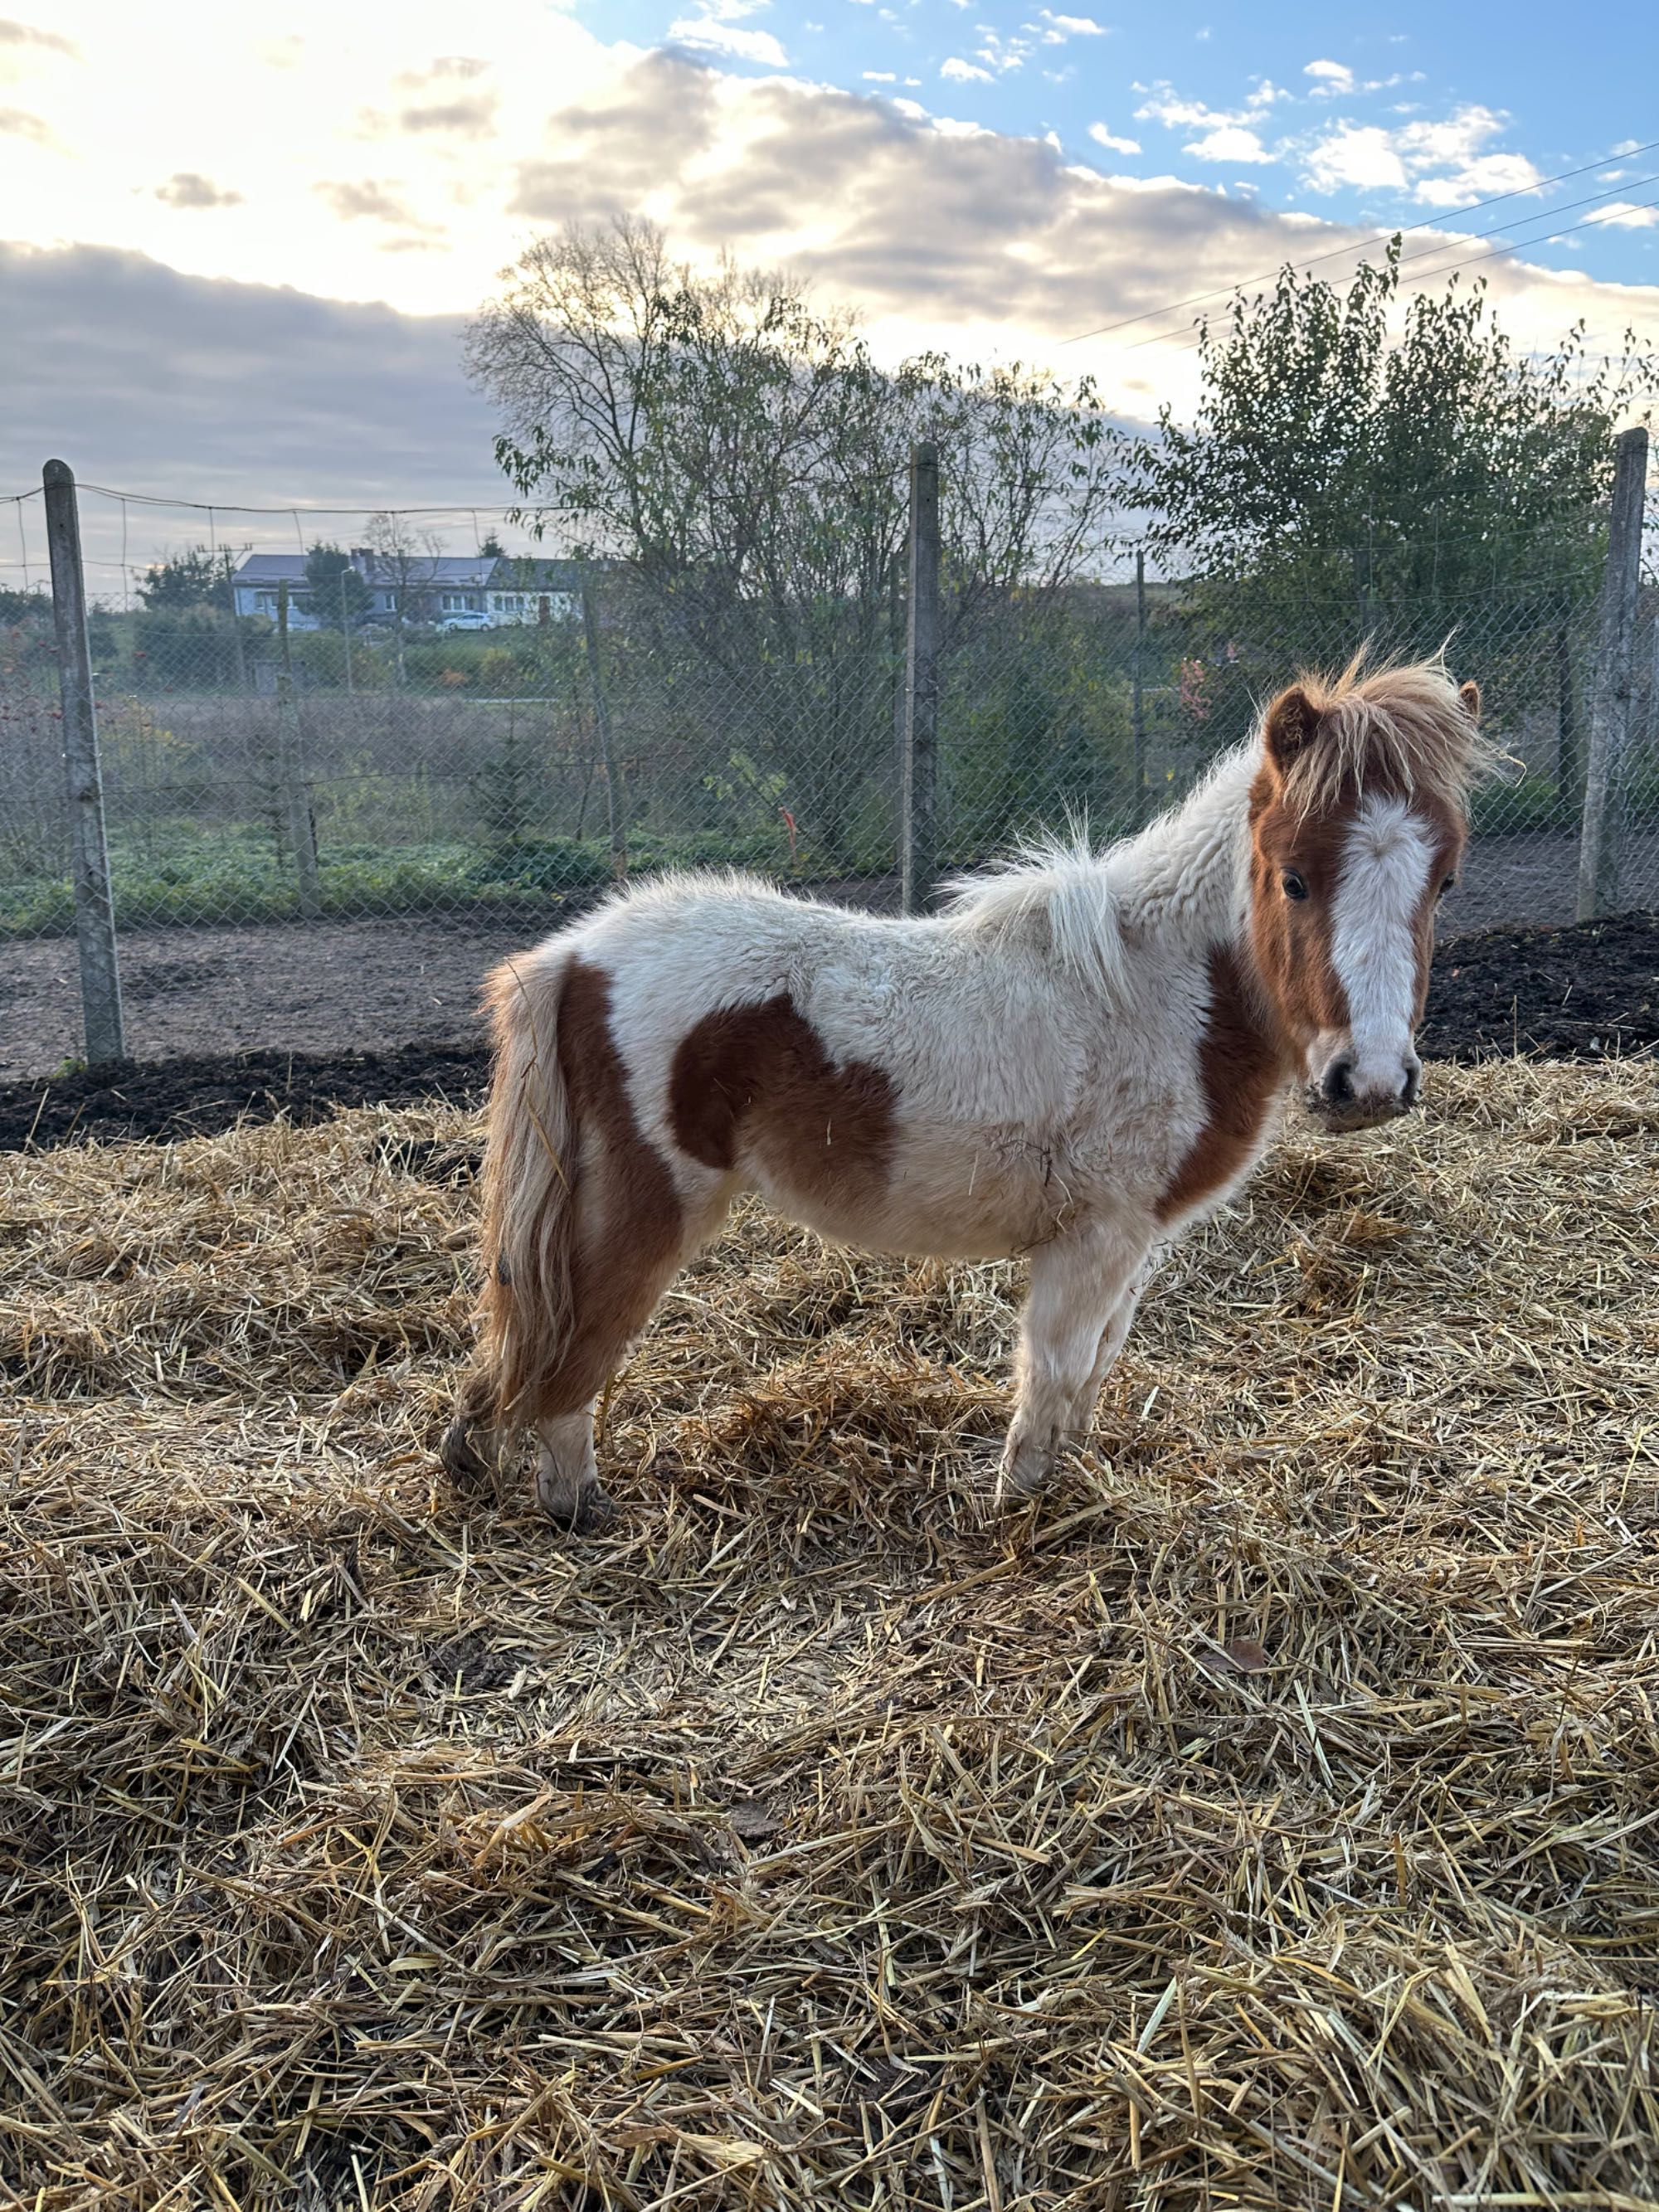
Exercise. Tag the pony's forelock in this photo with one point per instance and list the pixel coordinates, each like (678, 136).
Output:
(1402, 726)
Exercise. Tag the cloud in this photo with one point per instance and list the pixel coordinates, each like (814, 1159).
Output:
(188, 188)
(989, 245)
(1001, 54)
(1102, 137)
(717, 33)
(1228, 141)
(1226, 134)
(1329, 78)
(472, 116)
(958, 71)
(1061, 27)
(615, 154)
(209, 390)
(363, 200)
(351, 201)
(440, 105)
(26, 34)
(1623, 216)
(1442, 163)
(1164, 105)
(881, 76)
(465, 67)
(945, 233)
(1361, 155)
(1491, 176)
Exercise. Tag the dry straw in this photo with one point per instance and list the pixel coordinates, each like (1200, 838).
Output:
(1269, 1819)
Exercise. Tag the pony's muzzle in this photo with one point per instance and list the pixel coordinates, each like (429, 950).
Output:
(1346, 1098)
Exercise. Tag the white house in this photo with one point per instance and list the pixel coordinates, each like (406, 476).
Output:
(486, 590)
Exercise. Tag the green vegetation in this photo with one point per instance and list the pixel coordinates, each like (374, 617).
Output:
(1358, 466)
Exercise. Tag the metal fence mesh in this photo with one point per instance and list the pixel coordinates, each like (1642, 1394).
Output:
(406, 772)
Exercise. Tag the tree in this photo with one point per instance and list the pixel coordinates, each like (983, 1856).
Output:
(406, 563)
(198, 577)
(1362, 466)
(339, 597)
(742, 458)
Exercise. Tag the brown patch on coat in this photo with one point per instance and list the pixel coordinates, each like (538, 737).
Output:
(1292, 938)
(1241, 1065)
(754, 1085)
(630, 1222)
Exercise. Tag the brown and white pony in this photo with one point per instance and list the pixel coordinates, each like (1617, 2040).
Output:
(1083, 1055)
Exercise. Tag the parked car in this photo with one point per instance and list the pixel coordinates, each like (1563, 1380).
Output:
(464, 621)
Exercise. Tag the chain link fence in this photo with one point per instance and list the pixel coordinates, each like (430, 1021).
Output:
(305, 802)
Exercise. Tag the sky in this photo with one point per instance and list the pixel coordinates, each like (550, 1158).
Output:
(238, 247)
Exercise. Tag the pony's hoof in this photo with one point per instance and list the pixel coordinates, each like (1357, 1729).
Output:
(595, 1514)
(1022, 1476)
(462, 1461)
(591, 1513)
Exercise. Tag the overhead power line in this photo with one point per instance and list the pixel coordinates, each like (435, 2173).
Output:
(1185, 340)
(1382, 238)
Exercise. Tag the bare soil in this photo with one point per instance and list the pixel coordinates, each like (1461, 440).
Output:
(1589, 991)
(372, 986)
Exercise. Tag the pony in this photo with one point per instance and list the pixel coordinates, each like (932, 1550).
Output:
(1080, 1056)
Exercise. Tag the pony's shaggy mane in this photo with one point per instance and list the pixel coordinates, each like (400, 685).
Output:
(1056, 887)
(1404, 724)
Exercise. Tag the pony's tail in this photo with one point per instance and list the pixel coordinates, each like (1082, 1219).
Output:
(524, 1306)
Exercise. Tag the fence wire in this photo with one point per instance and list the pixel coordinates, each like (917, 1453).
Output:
(380, 766)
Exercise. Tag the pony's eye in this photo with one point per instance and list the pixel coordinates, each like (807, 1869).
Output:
(1447, 883)
(1295, 887)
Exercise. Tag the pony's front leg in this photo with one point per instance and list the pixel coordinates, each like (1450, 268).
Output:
(568, 1476)
(1080, 1284)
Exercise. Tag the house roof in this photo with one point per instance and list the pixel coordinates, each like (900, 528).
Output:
(438, 571)
(271, 568)
(513, 574)
(419, 570)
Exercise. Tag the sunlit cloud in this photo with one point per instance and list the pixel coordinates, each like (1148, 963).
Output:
(29, 35)
(189, 189)
(1442, 164)
(1058, 28)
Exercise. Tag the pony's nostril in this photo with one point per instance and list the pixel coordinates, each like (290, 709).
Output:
(1414, 1083)
(1338, 1086)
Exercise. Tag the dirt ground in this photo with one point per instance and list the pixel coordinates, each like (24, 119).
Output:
(1580, 992)
(373, 987)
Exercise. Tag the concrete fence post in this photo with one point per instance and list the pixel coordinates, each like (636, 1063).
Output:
(616, 798)
(295, 799)
(1599, 836)
(919, 831)
(95, 907)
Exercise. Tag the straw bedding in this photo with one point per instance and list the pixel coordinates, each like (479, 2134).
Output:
(1270, 1818)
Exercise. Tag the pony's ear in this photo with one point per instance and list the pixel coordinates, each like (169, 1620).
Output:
(1289, 729)
(1470, 695)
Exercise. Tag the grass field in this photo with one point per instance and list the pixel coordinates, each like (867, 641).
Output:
(1270, 1818)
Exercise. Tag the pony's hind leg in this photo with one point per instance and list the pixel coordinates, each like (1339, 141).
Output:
(620, 1274)
(1079, 1283)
